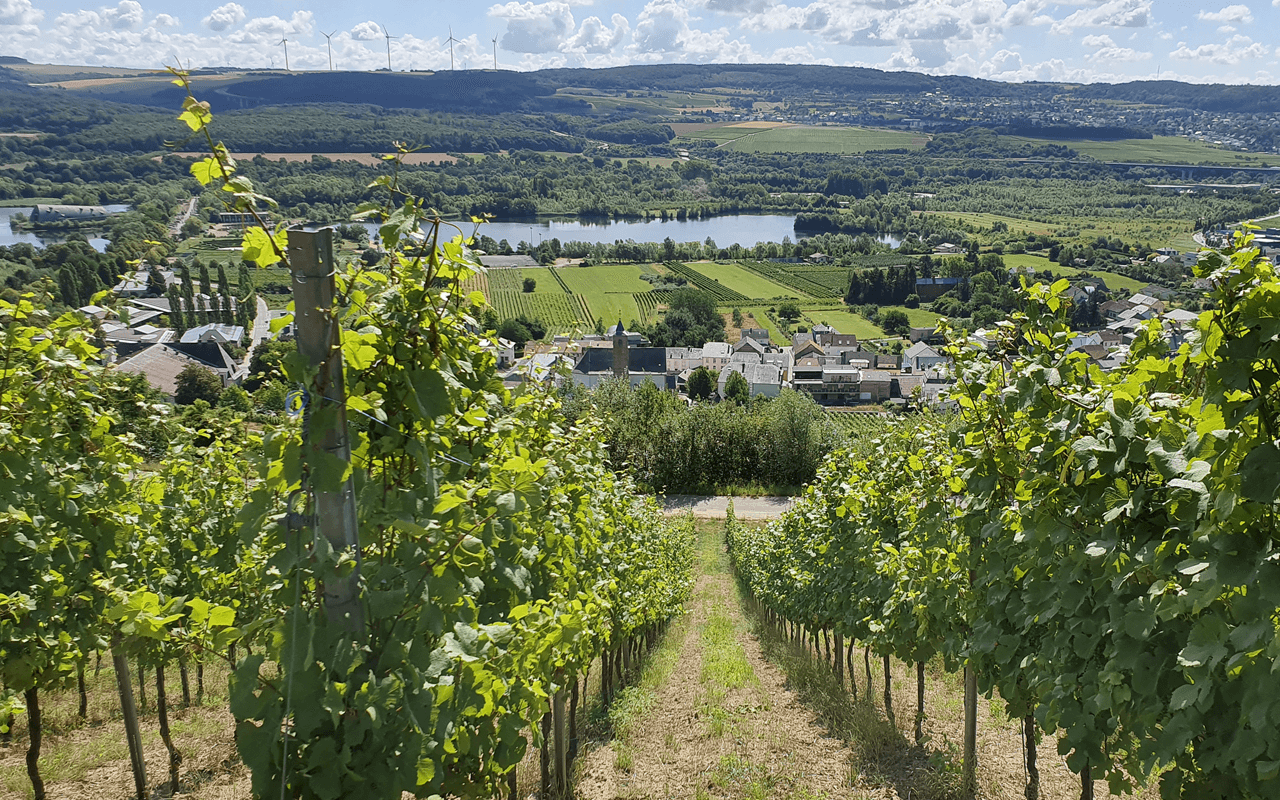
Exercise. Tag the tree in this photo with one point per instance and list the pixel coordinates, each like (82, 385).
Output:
(894, 322)
(529, 285)
(702, 383)
(197, 383)
(265, 364)
(224, 286)
(155, 281)
(206, 285)
(236, 399)
(736, 389)
(515, 331)
(176, 318)
(789, 310)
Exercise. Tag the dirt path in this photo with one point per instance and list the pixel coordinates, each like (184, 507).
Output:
(723, 723)
(712, 507)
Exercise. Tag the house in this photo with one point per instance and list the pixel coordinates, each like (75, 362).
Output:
(817, 258)
(926, 335)
(759, 334)
(94, 312)
(828, 336)
(920, 356)
(948, 249)
(506, 352)
(1113, 308)
(138, 284)
(809, 348)
(595, 365)
(508, 262)
(161, 363)
(1181, 316)
(762, 379)
(746, 345)
(933, 288)
(715, 355)
(1141, 299)
(680, 359)
(213, 332)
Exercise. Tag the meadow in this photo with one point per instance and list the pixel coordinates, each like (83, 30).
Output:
(1158, 150)
(784, 138)
(844, 322)
(1113, 280)
(743, 281)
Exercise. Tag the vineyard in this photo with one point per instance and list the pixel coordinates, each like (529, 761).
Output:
(561, 312)
(417, 635)
(1090, 548)
(819, 282)
(722, 294)
(648, 302)
(859, 426)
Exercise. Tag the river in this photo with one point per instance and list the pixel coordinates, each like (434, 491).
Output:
(41, 239)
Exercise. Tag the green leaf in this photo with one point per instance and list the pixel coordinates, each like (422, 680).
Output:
(1260, 473)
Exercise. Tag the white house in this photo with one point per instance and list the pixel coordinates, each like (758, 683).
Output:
(921, 356)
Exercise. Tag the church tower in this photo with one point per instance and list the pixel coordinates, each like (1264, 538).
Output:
(621, 354)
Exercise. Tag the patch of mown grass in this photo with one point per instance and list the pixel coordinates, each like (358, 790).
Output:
(628, 709)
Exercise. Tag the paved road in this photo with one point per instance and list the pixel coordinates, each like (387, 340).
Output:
(261, 328)
(705, 507)
(176, 228)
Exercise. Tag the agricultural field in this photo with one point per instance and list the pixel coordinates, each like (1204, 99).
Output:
(844, 322)
(561, 312)
(818, 282)
(783, 138)
(512, 280)
(610, 291)
(858, 424)
(916, 317)
(1155, 232)
(723, 294)
(743, 281)
(1038, 263)
(1159, 150)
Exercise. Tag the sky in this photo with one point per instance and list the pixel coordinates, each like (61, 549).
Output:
(1077, 40)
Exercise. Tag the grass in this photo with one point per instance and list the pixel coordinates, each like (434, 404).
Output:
(916, 317)
(1160, 150)
(608, 290)
(742, 280)
(762, 320)
(724, 661)
(844, 322)
(1113, 280)
(627, 711)
(808, 139)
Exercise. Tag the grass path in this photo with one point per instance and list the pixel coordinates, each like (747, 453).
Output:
(722, 724)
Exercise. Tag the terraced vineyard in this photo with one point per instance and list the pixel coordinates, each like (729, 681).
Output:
(857, 425)
(721, 293)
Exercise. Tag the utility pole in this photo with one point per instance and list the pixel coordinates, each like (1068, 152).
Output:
(312, 265)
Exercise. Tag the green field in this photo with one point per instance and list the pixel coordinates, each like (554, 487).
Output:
(916, 317)
(810, 139)
(1160, 150)
(743, 281)
(1113, 280)
(776, 336)
(1154, 232)
(845, 322)
(608, 290)
(512, 280)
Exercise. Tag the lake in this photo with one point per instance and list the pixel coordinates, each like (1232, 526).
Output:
(744, 229)
(41, 239)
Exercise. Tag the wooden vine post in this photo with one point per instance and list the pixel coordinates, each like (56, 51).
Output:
(312, 266)
(969, 778)
(131, 730)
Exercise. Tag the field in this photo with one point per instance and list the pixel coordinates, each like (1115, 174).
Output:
(367, 159)
(808, 139)
(1154, 232)
(561, 312)
(743, 281)
(1160, 150)
(512, 280)
(916, 317)
(1038, 263)
(819, 282)
(845, 322)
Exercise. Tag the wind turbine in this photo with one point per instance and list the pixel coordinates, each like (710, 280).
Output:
(495, 53)
(329, 41)
(389, 38)
(451, 40)
(285, 42)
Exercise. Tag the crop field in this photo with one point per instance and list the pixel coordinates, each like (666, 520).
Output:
(1154, 231)
(1161, 150)
(858, 424)
(512, 280)
(811, 139)
(1038, 263)
(561, 312)
(845, 322)
(723, 294)
(610, 291)
(818, 282)
(743, 281)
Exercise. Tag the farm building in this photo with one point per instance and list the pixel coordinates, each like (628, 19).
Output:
(50, 213)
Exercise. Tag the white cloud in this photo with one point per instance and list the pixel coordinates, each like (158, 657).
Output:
(1111, 14)
(1026, 12)
(1229, 14)
(739, 6)
(19, 12)
(125, 15)
(224, 17)
(165, 21)
(535, 27)
(1233, 51)
(366, 31)
(594, 36)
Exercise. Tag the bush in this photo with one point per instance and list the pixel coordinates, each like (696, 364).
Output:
(197, 383)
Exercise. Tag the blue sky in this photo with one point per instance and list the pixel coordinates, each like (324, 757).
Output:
(1084, 40)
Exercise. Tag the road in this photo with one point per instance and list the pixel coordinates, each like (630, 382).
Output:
(176, 228)
(261, 327)
(710, 507)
